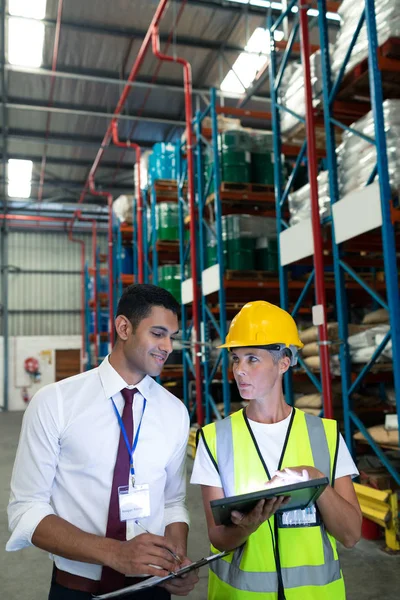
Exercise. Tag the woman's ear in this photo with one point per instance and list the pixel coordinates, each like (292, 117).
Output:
(284, 365)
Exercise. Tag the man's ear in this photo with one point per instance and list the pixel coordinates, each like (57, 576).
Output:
(123, 327)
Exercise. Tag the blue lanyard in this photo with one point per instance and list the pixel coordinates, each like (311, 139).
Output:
(131, 451)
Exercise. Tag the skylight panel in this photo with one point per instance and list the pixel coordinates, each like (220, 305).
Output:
(32, 9)
(19, 178)
(25, 42)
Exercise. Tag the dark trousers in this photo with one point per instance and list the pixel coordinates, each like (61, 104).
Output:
(58, 592)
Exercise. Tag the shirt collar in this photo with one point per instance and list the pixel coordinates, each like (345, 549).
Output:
(113, 383)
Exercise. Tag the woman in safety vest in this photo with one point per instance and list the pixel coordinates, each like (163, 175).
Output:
(291, 555)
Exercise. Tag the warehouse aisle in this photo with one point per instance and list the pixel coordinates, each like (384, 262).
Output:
(25, 575)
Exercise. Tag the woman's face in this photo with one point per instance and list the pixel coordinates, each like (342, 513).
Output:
(255, 372)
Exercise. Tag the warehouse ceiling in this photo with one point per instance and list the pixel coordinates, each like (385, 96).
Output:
(64, 119)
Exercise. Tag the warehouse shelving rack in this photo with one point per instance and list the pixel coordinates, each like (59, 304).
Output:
(223, 292)
(308, 150)
(383, 228)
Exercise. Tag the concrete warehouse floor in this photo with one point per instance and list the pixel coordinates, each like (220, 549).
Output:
(25, 575)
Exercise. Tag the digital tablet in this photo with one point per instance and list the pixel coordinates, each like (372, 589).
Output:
(302, 495)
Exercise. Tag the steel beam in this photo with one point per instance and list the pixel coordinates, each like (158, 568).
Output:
(23, 104)
(99, 76)
(62, 139)
(73, 162)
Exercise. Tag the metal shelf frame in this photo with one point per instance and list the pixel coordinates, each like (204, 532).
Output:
(184, 261)
(308, 150)
(387, 231)
(209, 321)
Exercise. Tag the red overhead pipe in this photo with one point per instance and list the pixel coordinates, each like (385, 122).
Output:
(154, 78)
(187, 82)
(132, 76)
(51, 96)
(106, 140)
(139, 206)
(109, 255)
(315, 216)
(95, 291)
(84, 357)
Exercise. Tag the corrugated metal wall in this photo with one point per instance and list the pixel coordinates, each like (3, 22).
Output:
(44, 282)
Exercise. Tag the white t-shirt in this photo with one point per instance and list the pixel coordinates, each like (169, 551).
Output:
(270, 439)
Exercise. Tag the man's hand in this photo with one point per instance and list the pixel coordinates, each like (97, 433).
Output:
(183, 585)
(142, 555)
(263, 511)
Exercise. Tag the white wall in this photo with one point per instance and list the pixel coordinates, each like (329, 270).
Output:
(43, 349)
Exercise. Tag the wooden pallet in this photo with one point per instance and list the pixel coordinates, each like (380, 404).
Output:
(356, 82)
(250, 275)
(245, 198)
(251, 188)
(168, 189)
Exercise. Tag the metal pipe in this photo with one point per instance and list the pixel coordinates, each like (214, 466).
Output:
(109, 254)
(132, 76)
(84, 357)
(95, 291)
(139, 205)
(316, 226)
(51, 96)
(4, 235)
(187, 81)
(154, 78)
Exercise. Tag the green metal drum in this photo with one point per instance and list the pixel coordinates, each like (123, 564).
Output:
(169, 277)
(167, 220)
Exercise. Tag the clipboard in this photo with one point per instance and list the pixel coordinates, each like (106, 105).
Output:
(302, 495)
(153, 581)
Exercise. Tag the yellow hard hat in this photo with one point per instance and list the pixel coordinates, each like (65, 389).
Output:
(262, 324)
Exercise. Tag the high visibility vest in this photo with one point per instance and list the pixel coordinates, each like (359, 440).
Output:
(309, 563)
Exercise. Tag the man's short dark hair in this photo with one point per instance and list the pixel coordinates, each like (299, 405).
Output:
(138, 299)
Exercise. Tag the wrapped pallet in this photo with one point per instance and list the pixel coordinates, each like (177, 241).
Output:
(300, 201)
(123, 207)
(353, 174)
(387, 14)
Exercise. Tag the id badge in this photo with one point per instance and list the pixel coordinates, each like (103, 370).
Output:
(134, 502)
(309, 517)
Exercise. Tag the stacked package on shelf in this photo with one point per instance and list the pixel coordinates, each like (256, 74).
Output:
(357, 157)
(387, 23)
(292, 91)
(249, 243)
(300, 201)
(309, 337)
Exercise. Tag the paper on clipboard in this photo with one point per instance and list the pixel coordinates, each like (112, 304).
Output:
(153, 581)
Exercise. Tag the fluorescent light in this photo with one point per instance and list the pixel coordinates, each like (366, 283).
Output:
(262, 3)
(25, 42)
(33, 9)
(19, 178)
(313, 12)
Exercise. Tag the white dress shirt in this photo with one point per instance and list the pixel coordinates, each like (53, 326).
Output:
(67, 451)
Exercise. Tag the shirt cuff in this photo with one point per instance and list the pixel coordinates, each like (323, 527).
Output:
(22, 533)
(176, 513)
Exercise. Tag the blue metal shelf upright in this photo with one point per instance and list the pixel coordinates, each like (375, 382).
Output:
(184, 261)
(212, 277)
(386, 230)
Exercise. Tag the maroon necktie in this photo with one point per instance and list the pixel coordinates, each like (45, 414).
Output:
(116, 529)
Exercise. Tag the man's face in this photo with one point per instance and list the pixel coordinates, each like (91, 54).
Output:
(147, 349)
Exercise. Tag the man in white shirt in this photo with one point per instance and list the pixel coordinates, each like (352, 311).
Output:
(77, 442)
